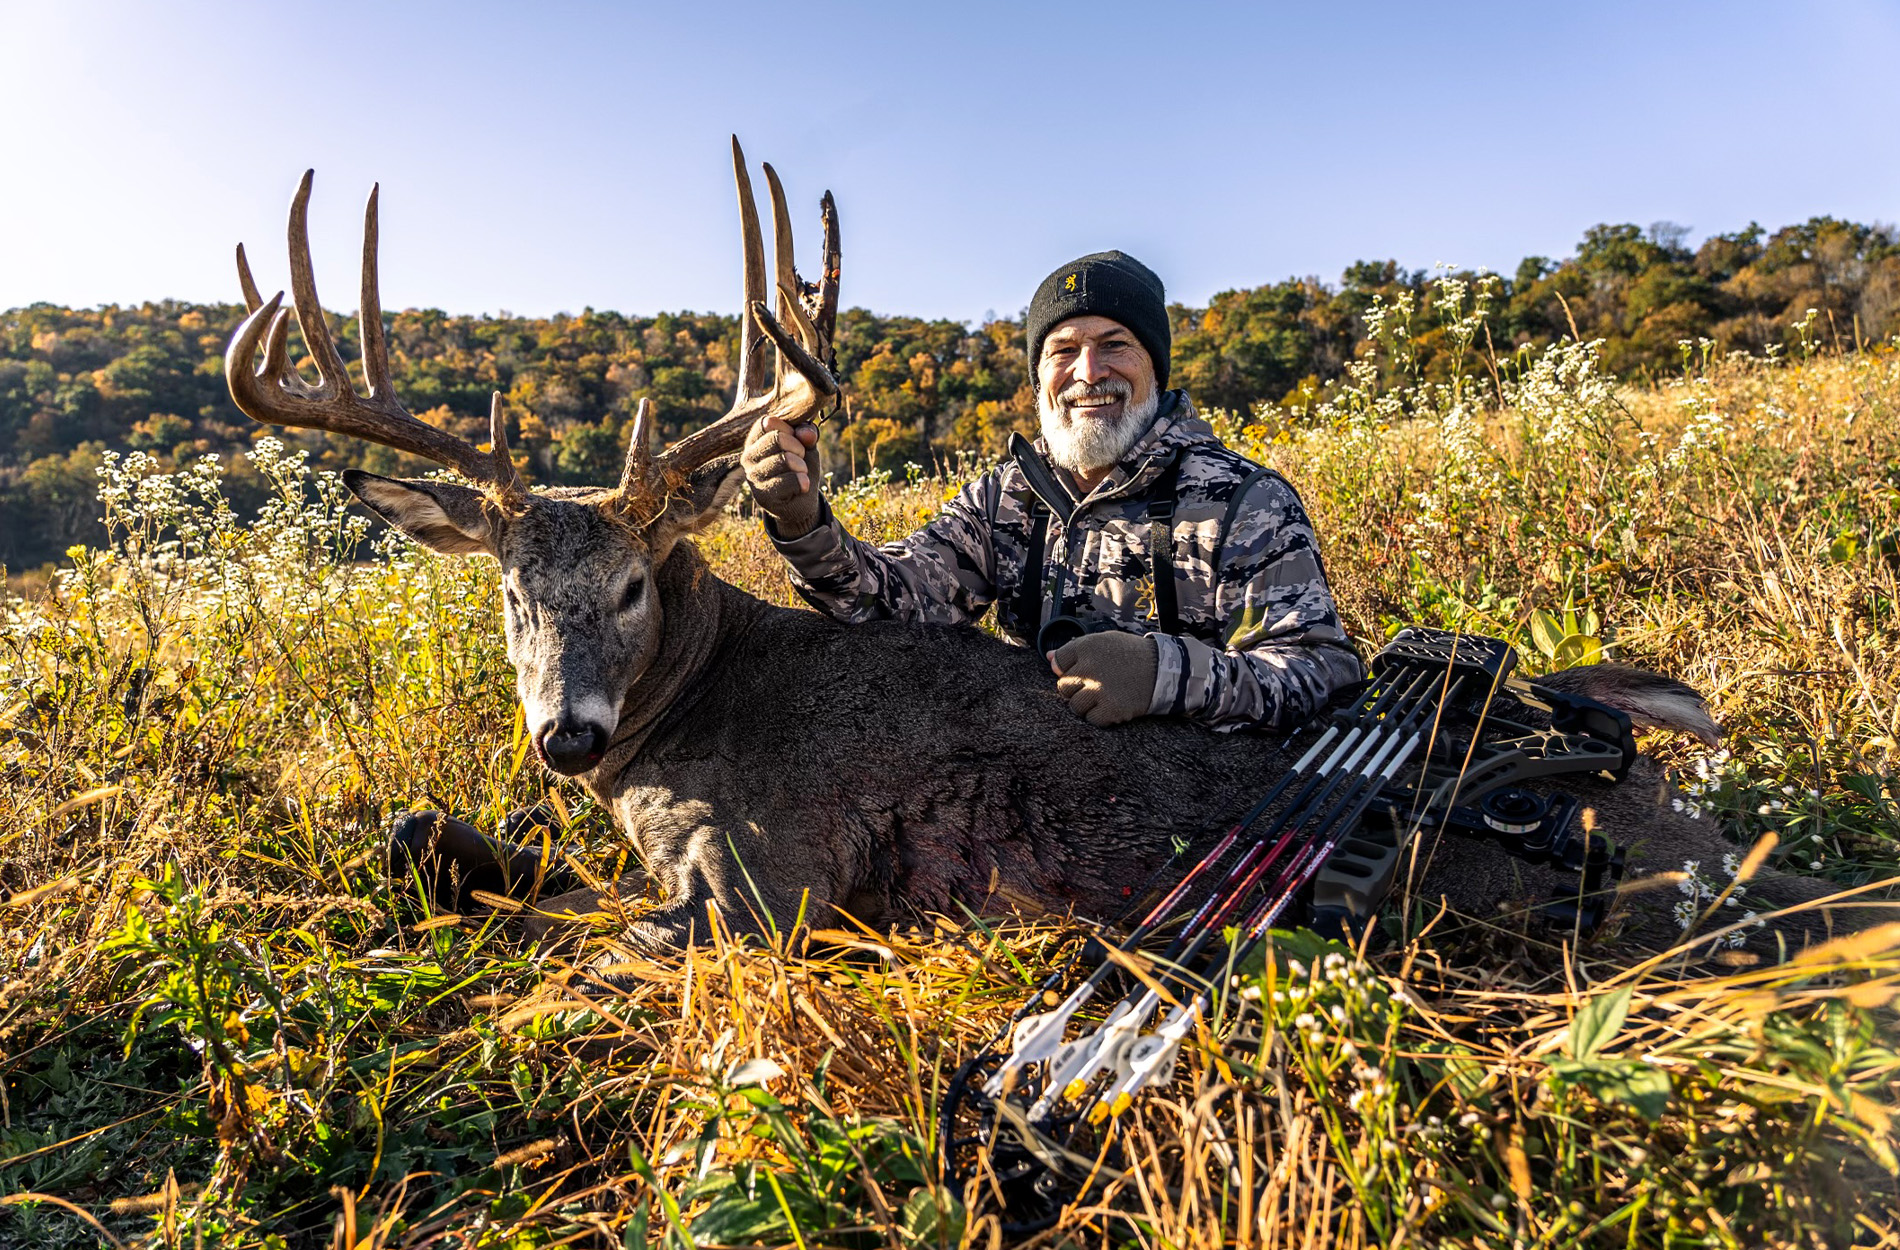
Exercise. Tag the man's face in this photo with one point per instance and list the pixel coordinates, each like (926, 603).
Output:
(1096, 392)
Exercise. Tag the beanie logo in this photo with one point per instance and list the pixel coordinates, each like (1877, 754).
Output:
(1068, 283)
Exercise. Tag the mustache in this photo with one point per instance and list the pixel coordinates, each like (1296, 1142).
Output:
(1110, 388)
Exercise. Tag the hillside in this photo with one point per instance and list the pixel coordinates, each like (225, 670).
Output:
(75, 383)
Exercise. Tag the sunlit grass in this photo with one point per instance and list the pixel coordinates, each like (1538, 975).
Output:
(217, 1022)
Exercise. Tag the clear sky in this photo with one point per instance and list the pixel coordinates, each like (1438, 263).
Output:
(549, 156)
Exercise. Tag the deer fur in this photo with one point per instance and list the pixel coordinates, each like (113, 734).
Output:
(768, 760)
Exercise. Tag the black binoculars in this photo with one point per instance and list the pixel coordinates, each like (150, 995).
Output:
(1059, 631)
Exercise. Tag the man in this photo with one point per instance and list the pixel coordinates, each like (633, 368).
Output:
(1161, 572)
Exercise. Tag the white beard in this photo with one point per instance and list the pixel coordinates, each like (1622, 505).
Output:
(1088, 444)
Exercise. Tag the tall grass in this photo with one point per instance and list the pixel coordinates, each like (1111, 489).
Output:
(220, 1026)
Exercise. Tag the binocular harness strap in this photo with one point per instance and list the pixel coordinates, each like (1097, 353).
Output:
(1048, 499)
(1029, 593)
(1161, 545)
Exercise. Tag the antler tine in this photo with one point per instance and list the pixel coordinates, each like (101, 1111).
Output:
(639, 470)
(271, 392)
(277, 346)
(802, 383)
(252, 300)
(825, 316)
(728, 433)
(751, 359)
(792, 352)
(369, 318)
(709, 442)
(502, 473)
(789, 287)
(303, 291)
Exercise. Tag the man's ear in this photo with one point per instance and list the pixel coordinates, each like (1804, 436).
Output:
(710, 488)
(440, 515)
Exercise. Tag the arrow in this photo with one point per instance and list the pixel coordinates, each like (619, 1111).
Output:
(1079, 1060)
(1038, 1037)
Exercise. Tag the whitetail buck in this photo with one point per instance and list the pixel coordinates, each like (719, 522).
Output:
(766, 759)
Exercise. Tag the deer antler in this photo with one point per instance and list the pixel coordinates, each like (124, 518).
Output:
(274, 393)
(795, 393)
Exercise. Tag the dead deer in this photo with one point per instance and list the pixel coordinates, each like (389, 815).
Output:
(769, 762)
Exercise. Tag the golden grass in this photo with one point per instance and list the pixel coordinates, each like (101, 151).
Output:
(192, 790)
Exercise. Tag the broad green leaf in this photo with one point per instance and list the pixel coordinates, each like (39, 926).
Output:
(932, 1217)
(635, 1236)
(1598, 1020)
(1844, 547)
(1545, 632)
(1642, 1087)
(737, 1217)
(1866, 785)
(1576, 651)
(1453, 1064)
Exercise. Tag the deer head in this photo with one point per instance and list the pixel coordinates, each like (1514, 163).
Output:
(581, 618)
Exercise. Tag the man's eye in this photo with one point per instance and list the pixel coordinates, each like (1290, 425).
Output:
(635, 589)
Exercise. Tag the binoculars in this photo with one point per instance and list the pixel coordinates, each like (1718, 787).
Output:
(1059, 631)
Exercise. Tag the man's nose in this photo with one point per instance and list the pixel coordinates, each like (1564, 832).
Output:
(1089, 368)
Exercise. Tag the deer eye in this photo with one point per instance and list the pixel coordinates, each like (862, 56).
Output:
(636, 588)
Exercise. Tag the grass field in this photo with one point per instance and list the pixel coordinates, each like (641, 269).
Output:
(218, 1027)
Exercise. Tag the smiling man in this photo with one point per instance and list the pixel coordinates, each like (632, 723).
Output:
(1161, 572)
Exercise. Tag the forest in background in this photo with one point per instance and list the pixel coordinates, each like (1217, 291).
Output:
(76, 383)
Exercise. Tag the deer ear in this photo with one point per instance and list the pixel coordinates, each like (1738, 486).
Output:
(440, 515)
(709, 489)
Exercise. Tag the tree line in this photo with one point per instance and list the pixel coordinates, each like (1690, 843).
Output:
(76, 383)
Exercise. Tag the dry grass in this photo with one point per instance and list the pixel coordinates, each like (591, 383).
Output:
(218, 1025)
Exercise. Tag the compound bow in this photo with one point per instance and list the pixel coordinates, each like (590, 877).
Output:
(1440, 738)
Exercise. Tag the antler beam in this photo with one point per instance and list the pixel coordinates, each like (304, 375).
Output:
(802, 382)
(275, 394)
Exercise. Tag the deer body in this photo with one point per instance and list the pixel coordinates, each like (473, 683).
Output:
(933, 768)
(906, 770)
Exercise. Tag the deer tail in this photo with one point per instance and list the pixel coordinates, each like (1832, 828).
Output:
(1650, 700)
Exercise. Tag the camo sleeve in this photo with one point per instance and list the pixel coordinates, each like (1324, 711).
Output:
(1284, 651)
(944, 574)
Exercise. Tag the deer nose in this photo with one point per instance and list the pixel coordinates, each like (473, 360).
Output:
(572, 748)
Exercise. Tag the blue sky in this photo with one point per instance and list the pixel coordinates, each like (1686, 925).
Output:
(551, 156)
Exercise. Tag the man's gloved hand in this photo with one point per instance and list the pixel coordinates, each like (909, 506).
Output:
(778, 465)
(1108, 677)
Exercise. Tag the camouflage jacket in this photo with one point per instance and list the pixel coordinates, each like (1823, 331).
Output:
(1260, 641)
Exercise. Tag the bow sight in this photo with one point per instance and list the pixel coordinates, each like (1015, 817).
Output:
(1441, 739)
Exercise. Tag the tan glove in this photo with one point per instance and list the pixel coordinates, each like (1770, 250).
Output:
(1108, 677)
(778, 464)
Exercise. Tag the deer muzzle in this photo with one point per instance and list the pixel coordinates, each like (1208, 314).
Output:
(571, 747)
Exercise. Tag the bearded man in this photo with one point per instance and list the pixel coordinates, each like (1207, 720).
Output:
(1161, 573)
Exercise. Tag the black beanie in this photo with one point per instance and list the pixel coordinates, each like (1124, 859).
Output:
(1106, 284)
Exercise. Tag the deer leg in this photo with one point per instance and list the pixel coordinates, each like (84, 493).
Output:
(673, 926)
(759, 885)
(454, 859)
